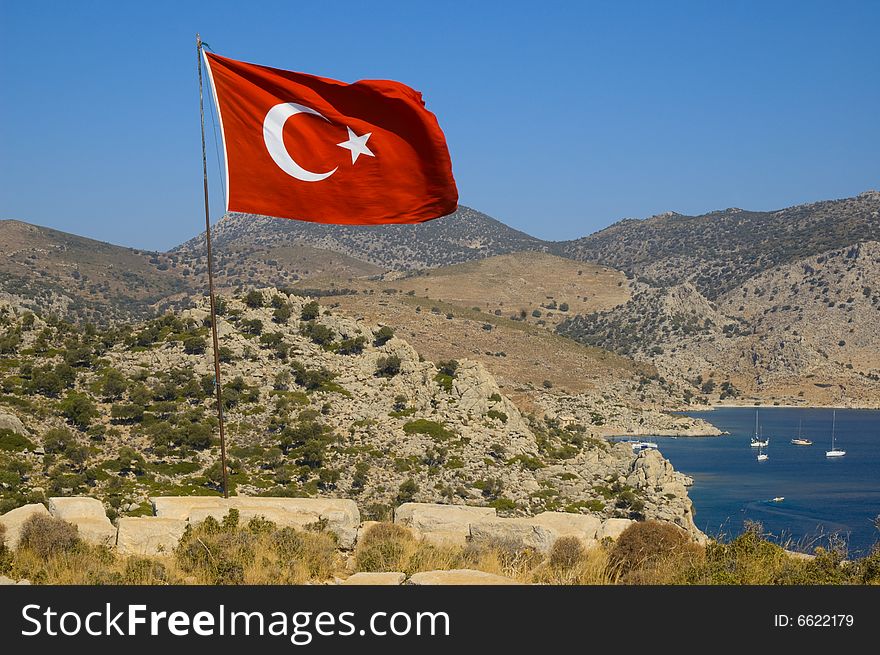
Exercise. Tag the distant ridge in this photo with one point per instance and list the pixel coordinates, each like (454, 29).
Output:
(720, 250)
(463, 236)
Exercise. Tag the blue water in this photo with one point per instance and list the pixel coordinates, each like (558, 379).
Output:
(822, 495)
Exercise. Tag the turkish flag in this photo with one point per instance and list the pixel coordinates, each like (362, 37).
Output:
(314, 149)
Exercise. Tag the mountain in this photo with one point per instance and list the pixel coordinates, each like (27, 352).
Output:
(54, 271)
(317, 403)
(800, 332)
(464, 235)
(719, 251)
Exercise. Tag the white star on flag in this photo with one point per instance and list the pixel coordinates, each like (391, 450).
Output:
(357, 145)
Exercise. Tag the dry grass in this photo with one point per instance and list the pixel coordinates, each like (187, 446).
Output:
(261, 553)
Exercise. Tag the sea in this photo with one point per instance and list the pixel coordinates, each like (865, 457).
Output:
(821, 496)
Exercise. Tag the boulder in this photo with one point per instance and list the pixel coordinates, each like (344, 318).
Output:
(515, 533)
(89, 517)
(12, 422)
(612, 528)
(13, 520)
(341, 516)
(441, 524)
(179, 507)
(567, 524)
(9, 581)
(96, 531)
(148, 535)
(389, 578)
(77, 507)
(459, 577)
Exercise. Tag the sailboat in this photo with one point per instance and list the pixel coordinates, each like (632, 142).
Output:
(834, 452)
(800, 441)
(758, 441)
(762, 456)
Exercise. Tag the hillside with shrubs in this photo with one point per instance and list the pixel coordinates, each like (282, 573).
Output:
(316, 403)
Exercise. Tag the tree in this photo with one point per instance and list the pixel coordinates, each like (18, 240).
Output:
(194, 345)
(388, 367)
(78, 409)
(320, 334)
(252, 326)
(57, 440)
(407, 491)
(253, 299)
(282, 314)
(114, 384)
(310, 311)
(127, 412)
(354, 346)
(45, 381)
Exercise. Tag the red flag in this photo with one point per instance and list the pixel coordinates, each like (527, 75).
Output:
(314, 149)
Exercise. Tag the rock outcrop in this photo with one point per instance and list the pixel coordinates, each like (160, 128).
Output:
(441, 524)
(148, 535)
(459, 577)
(14, 519)
(340, 516)
(89, 517)
(392, 578)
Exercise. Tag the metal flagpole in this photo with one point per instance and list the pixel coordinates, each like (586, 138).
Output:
(217, 387)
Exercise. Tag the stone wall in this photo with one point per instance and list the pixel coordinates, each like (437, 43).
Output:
(440, 524)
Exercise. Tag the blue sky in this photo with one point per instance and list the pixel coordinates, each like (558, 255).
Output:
(560, 117)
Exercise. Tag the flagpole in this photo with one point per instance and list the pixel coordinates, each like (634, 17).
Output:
(217, 387)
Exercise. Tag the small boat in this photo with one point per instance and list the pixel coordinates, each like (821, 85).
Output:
(834, 452)
(639, 446)
(762, 456)
(800, 440)
(778, 499)
(758, 440)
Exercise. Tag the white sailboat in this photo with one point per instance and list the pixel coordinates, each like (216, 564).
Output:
(762, 456)
(834, 452)
(758, 441)
(800, 440)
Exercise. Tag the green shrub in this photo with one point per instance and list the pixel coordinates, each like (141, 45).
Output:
(113, 384)
(352, 346)
(57, 440)
(407, 491)
(433, 429)
(194, 345)
(310, 311)
(253, 299)
(14, 442)
(383, 335)
(127, 413)
(78, 409)
(282, 314)
(527, 462)
(319, 334)
(388, 367)
(501, 416)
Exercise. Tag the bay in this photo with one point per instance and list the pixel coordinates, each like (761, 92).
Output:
(822, 496)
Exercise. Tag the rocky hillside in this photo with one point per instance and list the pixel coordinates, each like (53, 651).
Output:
(317, 404)
(464, 235)
(799, 332)
(719, 251)
(53, 271)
